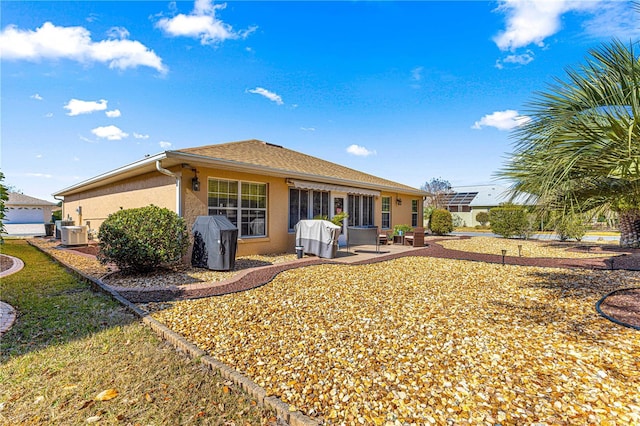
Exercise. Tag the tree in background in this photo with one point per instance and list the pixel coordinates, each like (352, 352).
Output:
(4, 196)
(437, 188)
(580, 149)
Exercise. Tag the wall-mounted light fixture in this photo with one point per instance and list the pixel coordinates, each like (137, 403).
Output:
(195, 182)
(399, 201)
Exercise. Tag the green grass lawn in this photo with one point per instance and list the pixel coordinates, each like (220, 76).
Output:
(70, 343)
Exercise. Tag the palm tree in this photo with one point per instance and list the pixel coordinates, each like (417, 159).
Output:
(580, 148)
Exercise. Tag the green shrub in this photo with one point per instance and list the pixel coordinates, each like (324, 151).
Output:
(441, 222)
(570, 227)
(336, 219)
(404, 228)
(509, 220)
(143, 238)
(482, 218)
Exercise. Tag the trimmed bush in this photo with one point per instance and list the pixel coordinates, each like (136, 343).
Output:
(441, 222)
(570, 227)
(482, 218)
(143, 238)
(509, 220)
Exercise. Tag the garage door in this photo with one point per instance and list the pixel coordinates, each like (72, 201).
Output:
(24, 215)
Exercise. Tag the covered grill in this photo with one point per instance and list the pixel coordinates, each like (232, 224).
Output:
(215, 243)
(319, 237)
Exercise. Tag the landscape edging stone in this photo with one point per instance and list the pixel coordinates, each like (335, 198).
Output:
(179, 342)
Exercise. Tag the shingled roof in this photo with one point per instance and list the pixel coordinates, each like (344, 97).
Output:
(252, 156)
(265, 155)
(17, 199)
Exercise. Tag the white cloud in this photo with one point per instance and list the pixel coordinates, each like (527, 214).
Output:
(165, 144)
(38, 155)
(501, 120)
(267, 94)
(202, 24)
(533, 21)
(359, 150)
(111, 133)
(613, 19)
(74, 43)
(118, 33)
(416, 73)
(77, 107)
(529, 22)
(36, 96)
(49, 115)
(140, 136)
(521, 59)
(38, 175)
(308, 129)
(113, 113)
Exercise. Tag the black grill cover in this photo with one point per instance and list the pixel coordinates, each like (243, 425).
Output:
(215, 243)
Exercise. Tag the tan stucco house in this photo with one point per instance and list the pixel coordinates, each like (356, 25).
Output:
(264, 189)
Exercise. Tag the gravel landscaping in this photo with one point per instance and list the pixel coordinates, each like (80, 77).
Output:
(424, 340)
(529, 248)
(421, 340)
(162, 277)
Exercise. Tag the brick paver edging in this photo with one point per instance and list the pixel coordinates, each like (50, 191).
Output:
(8, 312)
(293, 418)
(18, 264)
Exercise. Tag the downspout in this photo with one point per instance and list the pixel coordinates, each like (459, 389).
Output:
(178, 178)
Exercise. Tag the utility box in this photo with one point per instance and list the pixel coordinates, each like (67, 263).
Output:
(60, 224)
(74, 236)
(215, 242)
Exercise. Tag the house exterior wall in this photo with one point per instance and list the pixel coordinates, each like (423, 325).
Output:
(277, 239)
(160, 190)
(469, 218)
(97, 204)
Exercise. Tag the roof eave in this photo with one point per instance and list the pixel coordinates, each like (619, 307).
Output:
(130, 169)
(270, 171)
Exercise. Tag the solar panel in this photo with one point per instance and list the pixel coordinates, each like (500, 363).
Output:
(460, 198)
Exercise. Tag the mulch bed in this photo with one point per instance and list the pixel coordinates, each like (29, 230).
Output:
(623, 306)
(5, 263)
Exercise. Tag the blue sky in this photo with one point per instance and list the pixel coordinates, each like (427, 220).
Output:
(404, 90)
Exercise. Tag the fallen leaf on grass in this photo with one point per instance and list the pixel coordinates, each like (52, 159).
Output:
(148, 397)
(86, 404)
(93, 419)
(106, 395)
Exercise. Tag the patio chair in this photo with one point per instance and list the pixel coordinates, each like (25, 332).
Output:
(384, 238)
(415, 238)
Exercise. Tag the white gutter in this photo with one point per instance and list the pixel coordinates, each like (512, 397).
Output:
(178, 178)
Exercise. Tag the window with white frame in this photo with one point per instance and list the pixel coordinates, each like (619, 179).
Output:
(414, 213)
(386, 213)
(360, 210)
(307, 204)
(243, 203)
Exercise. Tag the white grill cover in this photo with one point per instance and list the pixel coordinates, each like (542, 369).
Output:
(319, 237)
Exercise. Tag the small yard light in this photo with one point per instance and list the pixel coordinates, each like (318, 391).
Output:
(520, 250)
(504, 253)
